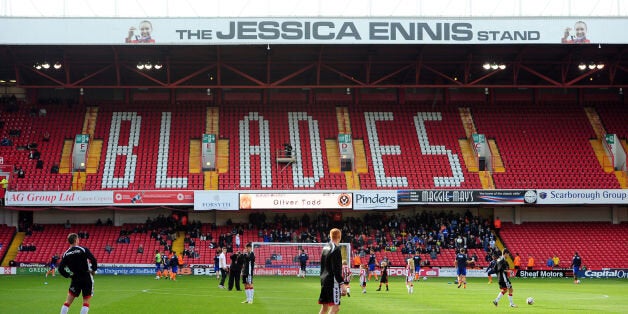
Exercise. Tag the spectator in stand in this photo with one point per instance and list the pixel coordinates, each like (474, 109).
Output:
(530, 262)
(357, 261)
(556, 261)
(140, 249)
(498, 225)
(550, 262)
(67, 224)
(108, 248)
(517, 261)
(433, 254)
(6, 142)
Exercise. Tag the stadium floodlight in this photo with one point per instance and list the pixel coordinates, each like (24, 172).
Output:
(502, 66)
(486, 66)
(494, 66)
(148, 66)
(45, 65)
(600, 66)
(348, 91)
(209, 92)
(158, 66)
(57, 65)
(37, 66)
(582, 66)
(592, 66)
(140, 66)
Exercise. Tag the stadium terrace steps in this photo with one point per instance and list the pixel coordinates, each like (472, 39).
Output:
(596, 242)
(361, 165)
(467, 121)
(352, 179)
(89, 124)
(195, 156)
(222, 155)
(210, 180)
(602, 157)
(78, 181)
(534, 159)
(51, 241)
(344, 123)
(498, 163)
(333, 159)
(622, 178)
(467, 154)
(65, 164)
(8, 235)
(212, 120)
(596, 122)
(178, 244)
(487, 180)
(93, 156)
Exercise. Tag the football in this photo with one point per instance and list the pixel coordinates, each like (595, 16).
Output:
(530, 300)
(578, 281)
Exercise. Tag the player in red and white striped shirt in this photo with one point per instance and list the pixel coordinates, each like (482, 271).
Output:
(346, 276)
(363, 272)
(410, 276)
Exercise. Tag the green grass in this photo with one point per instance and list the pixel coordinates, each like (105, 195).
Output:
(196, 294)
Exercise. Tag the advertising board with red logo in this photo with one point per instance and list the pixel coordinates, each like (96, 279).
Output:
(155, 197)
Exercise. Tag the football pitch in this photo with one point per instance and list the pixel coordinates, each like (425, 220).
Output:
(200, 294)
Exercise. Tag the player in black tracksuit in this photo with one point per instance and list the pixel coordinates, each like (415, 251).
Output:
(490, 270)
(504, 283)
(76, 259)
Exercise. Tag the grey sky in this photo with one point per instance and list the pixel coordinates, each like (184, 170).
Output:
(311, 8)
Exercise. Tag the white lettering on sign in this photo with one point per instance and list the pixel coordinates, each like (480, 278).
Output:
(426, 149)
(162, 157)
(263, 150)
(298, 177)
(377, 151)
(114, 150)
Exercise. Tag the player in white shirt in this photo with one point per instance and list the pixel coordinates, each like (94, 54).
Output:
(346, 276)
(363, 272)
(410, 276)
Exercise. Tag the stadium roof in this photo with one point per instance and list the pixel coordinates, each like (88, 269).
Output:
(319, 66)
(278, 66)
